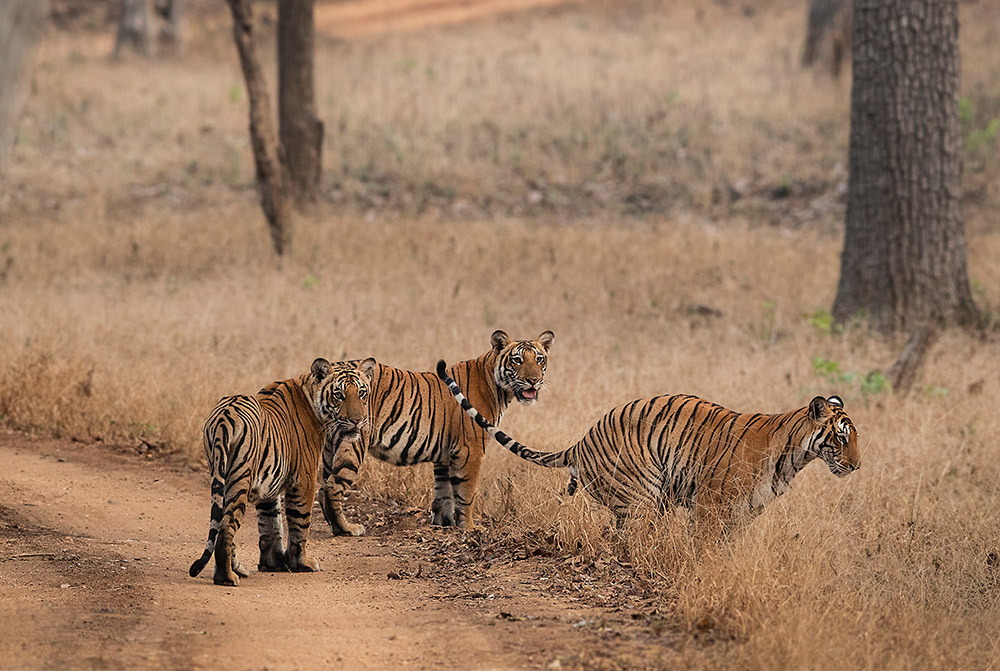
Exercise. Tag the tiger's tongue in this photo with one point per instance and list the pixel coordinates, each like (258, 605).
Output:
(529, 393)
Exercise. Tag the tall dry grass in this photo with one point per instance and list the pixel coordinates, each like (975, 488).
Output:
(137, 287)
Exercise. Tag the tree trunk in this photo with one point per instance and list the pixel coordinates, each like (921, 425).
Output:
(271, 180)
(21, 25)
(134, 26)
(904, 259)
(170, 34)
(828, 32)
(301, 131)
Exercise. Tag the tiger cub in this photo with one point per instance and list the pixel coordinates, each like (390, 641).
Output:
(414, 420)
(269, 445)
(685, 451)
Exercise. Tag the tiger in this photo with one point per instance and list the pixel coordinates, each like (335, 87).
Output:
(269, 445)
(681, 450)
(413, 420)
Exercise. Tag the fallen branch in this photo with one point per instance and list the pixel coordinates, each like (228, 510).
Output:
(904, 373)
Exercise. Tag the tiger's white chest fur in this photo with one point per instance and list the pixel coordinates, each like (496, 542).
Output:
(777, 477)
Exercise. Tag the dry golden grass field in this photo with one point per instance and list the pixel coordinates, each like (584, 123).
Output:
(659, 184)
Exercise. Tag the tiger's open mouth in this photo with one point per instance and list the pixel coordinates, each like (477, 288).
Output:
(526, 395)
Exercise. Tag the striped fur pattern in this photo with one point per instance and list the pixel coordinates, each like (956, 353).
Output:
(685, 451)
(414, 420)
(269, 445)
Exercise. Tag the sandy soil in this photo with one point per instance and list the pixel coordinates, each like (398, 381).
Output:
(96, 542)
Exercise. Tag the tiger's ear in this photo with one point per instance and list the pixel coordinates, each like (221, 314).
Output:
(546, 339)
(836, 401)
(819, 409)
(320, 369)
(499, 340)
(367, 367)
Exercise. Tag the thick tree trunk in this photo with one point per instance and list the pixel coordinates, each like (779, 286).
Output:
(271, 180)
(904, 258)
(21, 25)
(300, 129)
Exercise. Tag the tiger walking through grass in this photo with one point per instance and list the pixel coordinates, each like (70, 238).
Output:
(685, 451)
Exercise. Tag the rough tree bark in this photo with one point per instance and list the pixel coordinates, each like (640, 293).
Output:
(267, 152)
(301, 130)
(21, 25)
(904, 257)
(829, 24)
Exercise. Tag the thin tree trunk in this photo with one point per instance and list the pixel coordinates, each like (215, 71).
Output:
(271, 180)
(134, 27)
(904, 257)
(170, 36)
(300, 129)
(22, 23)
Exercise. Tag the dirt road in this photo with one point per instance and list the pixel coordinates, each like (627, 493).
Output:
(93, 574)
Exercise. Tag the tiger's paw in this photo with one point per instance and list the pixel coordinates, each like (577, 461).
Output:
(305, 565)
(272, 561)
(239, 570)
(227, 580)
(299, 559)
(443, 520)
(348, 529)
(339, 526)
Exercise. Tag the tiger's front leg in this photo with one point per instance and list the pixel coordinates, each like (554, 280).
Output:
(298, 512)
(443, 508)
(341, 462)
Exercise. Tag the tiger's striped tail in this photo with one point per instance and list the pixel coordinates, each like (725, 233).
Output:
(547, 459)
(218, 453)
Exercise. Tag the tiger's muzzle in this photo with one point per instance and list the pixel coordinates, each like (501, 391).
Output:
(349, 429)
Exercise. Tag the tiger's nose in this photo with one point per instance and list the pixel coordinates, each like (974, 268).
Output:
(533, 381)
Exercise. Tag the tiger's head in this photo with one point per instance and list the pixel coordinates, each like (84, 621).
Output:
(339, 393)
(520, 364)
(836, 440)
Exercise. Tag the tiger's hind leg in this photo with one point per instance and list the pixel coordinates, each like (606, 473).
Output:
(464, 484)
(272, 536)
(227, 567)
(298, 511)
(341, 461)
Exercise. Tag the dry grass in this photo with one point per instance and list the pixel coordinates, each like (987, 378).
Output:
(140, 288)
